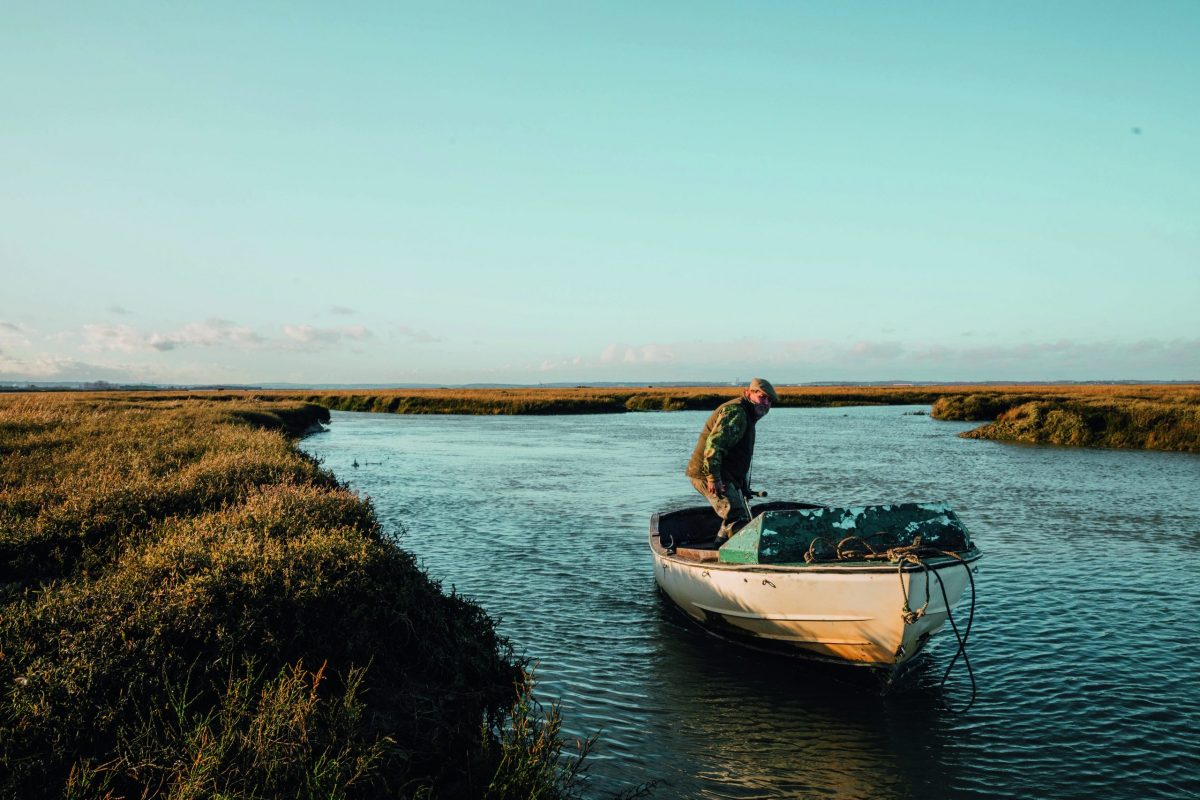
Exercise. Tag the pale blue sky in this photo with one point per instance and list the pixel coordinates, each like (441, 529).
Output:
(543, 192)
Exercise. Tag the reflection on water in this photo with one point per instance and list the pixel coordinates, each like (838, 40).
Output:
(763, 726)
(1082, 645)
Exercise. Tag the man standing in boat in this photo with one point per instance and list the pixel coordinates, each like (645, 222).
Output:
(720, 464)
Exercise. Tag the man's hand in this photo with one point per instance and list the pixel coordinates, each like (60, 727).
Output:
(715, 486)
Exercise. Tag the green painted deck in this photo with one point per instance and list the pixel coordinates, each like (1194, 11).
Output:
(786, 537)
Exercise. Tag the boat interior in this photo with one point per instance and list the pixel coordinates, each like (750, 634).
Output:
(691, 533)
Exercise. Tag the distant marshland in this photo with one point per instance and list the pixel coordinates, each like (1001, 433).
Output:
(1152, 416)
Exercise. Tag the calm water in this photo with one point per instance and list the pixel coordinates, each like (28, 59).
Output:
(1085, 636)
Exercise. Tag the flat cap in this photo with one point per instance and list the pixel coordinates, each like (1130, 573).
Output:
(764, 385)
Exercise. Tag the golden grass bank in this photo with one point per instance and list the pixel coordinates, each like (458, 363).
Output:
(190, 607)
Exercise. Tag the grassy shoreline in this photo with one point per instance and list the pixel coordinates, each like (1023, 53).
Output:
(1144, 416)
(191, 607)
(1170, 422)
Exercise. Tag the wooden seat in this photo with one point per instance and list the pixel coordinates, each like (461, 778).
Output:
(696, 554)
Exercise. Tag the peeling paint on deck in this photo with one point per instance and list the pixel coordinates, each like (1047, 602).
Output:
(784, 537)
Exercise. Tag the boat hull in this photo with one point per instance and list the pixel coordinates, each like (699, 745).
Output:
(853, 614)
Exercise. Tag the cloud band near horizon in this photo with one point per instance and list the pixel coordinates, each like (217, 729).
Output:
(322, 354)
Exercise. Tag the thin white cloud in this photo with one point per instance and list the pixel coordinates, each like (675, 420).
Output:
(641, 354)
(1066, 350)
(210, 333)
(649, 354)
(809, 350)
(695, 352)
(104, 336)
(414, 334)
(124, 338)
(310, 337)
(879, 351)
(652, 356)
(551, 364)
(819, 359)
(58, 368)
(214, 333)
(13, 334)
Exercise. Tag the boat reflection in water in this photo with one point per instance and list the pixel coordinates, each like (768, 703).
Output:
(743, 724)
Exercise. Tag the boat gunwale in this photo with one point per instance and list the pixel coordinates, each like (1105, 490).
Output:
(934, 562)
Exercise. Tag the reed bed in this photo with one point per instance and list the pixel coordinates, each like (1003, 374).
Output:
(190, 607)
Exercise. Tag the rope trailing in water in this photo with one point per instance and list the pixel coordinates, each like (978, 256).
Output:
(859, 547)
(962, 640)
(911, 616)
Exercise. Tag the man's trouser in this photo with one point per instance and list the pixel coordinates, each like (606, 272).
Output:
(730, 507)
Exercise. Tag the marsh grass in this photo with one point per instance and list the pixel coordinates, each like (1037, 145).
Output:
(1153, 418)
(1138, 424)
(615, 400)
(532, 758)
(171, 566)
(263, 736)
(584, 400)
(530, 754)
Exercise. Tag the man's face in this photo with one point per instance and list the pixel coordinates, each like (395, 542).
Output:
(761, 401)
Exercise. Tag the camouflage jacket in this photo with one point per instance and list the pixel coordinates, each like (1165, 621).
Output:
(726, 444)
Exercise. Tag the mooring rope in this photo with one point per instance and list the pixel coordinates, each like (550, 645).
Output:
(962, 639)
(909, 556)
(858, 547)
(910, 616)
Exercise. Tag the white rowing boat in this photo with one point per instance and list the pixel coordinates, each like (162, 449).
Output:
(866, 586)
